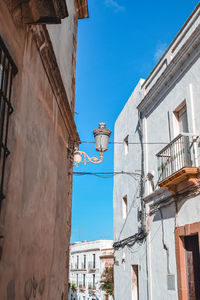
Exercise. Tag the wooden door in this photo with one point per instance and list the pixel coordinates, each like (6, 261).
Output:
(192, 257)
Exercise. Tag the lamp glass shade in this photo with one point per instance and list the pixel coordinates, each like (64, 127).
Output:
(101, 136)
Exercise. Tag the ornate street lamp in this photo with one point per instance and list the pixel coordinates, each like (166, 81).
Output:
(101, 136)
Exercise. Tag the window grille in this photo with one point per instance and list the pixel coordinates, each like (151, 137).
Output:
(8, 69)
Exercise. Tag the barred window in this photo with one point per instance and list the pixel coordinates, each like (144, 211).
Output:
(8, 69)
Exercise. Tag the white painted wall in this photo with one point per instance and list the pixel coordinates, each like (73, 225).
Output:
(174, 79)
(127, 124)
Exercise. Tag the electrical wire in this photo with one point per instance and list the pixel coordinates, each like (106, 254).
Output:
(106, 175)
(139, 237)
(130, 143)
(130, 241)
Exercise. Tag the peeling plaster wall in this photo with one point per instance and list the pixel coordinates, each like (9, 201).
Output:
(36, 213)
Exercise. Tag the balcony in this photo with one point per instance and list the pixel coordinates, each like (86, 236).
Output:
(178, 166)
(81, 287)
(78, 267)
(91, 287)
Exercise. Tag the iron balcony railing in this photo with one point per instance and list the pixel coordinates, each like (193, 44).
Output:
(78, 267)
(179, 153)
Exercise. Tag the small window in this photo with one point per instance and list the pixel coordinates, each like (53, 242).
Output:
(181, 118)
(126, 145)
(123, 255)
(124, 207)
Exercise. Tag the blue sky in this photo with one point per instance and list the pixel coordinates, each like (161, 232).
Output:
(119, 44)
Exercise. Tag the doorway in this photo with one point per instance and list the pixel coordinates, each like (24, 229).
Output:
(192, 258)
(135, 284)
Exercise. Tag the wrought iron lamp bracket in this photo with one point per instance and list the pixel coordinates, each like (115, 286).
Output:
(82, 157)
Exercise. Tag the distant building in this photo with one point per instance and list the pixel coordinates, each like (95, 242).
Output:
(38, 42)
(88, 260)
(157, 198)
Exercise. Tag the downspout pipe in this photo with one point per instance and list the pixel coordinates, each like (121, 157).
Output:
(142, 191)
(142, 177)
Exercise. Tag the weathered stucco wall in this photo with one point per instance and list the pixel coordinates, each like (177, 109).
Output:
(36, 213)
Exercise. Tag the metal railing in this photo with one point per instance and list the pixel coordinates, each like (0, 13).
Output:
(78, 267)
(181, 152)
(7, 71)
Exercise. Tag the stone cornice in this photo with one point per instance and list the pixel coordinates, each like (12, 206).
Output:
(81, 9)
(37, 11)
(180, 63)
(45, 48)
(85, 250)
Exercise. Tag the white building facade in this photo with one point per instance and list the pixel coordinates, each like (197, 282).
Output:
(88, 260)
(157, 198)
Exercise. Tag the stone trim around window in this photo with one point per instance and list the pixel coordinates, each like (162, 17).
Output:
(180, 233)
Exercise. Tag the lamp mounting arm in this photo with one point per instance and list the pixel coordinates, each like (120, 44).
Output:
(82, 157)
